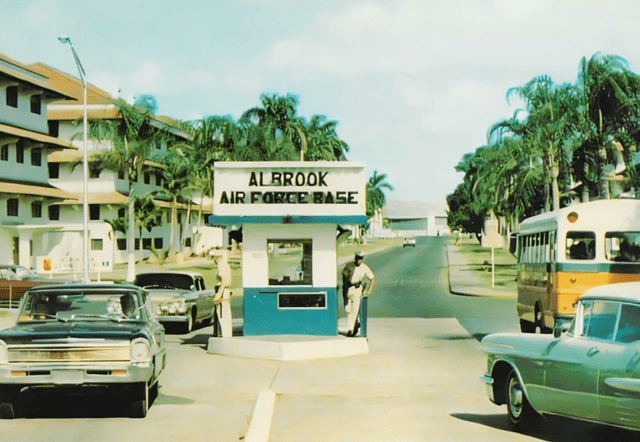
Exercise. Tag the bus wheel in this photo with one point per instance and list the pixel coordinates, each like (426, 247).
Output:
(540, 321)
(527, 327)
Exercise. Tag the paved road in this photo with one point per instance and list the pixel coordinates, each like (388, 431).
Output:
(412, 282)
(438, 395)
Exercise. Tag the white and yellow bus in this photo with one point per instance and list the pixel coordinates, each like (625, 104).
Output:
(564, 252)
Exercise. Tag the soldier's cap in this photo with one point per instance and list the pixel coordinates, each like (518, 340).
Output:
(359, 254)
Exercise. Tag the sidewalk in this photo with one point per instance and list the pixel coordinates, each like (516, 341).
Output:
(468, 276)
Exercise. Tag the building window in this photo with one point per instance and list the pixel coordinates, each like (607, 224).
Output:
(96, 244)
(54, 213)
(121, 212)
(121, 174)
(36, 104)
(122, 243)
(146, 243)
(4, 153)
(20, 153)
(54, 170)
(94, 212)
(36, 157)
(136, 244)
(36, 209)
(289, 261)
(158, 243)
(54, 127)
(12, 96)
(159, 220)
(147, 178)
(12, 207)
(187, 242)
(158, 179)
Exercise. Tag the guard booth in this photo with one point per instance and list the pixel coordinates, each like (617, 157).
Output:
(289, 213)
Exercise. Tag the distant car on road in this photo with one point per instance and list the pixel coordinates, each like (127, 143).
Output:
(590, 372)
(409, 241)
(180, 297)
(15, 280)
(79, 337)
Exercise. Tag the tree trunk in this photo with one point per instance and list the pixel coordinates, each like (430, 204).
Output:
(131, 258)
(174, 221)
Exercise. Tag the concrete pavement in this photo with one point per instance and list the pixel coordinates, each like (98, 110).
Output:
(418, 381)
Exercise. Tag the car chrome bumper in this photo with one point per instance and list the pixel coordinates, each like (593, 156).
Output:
(173, 318)
(488, 381)
(81, 374)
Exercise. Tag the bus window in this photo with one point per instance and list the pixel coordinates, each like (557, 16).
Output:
(581, 245)
(622, 246)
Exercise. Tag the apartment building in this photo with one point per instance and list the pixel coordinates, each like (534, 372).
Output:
(26, 197)
(59, 238)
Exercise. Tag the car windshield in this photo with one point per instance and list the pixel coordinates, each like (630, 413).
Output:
(80, 305)
(164, 281)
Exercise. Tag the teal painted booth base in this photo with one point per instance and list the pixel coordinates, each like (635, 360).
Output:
(287, 310)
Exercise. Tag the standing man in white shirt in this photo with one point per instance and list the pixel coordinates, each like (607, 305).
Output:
(355, 292)
(223, 293)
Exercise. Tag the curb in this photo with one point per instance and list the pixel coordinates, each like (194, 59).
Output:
(260, 425)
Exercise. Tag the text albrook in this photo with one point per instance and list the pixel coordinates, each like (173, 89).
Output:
(292, 180)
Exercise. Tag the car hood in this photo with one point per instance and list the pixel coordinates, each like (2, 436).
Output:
(520, 343)
(54, 330)
(167, 295)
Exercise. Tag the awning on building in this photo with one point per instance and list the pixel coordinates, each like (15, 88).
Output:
(98, 198)
(35, 136)
(35, 189)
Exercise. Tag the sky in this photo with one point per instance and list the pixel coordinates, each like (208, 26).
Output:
(413, 84)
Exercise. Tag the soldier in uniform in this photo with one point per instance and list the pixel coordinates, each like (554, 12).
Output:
(223, 294)
(355, 290)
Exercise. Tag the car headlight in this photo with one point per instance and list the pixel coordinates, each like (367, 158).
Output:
(173, 308)
(4, 359)
(140, 350)
(181, 307)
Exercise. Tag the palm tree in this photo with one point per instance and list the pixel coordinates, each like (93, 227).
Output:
(131, 138)
(610, 105)
(280, 132)
(176, 182)
(376, 198)
(323, 142)
(549, 126)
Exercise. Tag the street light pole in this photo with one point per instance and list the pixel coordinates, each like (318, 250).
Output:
(85, 164)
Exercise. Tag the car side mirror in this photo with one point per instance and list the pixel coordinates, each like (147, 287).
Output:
(560, 328)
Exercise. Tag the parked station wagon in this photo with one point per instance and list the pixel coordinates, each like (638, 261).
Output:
(590, 372)
(100, 337)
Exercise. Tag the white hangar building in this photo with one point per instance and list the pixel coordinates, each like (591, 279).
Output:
(416, 218)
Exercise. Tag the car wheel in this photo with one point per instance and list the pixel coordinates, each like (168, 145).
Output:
(138, 407)
(7, 411)
(521, 416)
(527, 327)
(153, 392)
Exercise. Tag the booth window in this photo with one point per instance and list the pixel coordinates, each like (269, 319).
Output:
(289, 261)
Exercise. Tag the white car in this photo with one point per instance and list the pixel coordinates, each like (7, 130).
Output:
(409, 241)
(181, 297)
